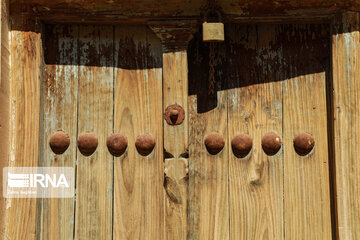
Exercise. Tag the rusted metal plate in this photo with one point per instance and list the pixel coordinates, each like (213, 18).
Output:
(174, 114)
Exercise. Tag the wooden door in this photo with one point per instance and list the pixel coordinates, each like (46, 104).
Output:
(101, 80)
(271, 83)
(267, 176)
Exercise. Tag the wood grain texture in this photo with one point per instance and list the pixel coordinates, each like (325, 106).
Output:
(55, 218)
(255, 108)
(346, 95)
(208, 216)
(94, 179)
(139, 195)
(175, 91)
(26, 75)
(4, 102)
(306, 179)
(103, 11)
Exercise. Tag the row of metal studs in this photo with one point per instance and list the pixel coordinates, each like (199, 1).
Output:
(271, 143)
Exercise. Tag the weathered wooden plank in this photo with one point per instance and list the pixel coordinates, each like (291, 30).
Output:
(175, 91)
(94, 180)
(59, 106)
(138, 180)
(26, 74)
(208, 174)
(255, 108)
(346, 95)
(4, 102)
(306, 178)
(174, 37)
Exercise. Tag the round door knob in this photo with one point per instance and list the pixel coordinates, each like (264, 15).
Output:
(59, 142)
(87, 143)
(271, 143)
(304, 143)
(145, 144)
(214, 143)
(241, 145)
(117, 144)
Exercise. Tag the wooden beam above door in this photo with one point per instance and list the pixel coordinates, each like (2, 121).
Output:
(111, 11)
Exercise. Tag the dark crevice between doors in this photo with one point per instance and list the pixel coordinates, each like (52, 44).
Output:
(331, 146)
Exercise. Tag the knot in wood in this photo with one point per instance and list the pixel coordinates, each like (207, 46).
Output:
(174, 114)
(59, 142)
(304, 143)
(144, 144)
(241, 145)
(87, 143)
(214, 143)
(271, 143)
(117, 144)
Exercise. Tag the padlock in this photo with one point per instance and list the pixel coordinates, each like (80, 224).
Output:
(213, 31)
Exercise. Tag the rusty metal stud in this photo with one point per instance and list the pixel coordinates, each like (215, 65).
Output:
(144, 144)
(87, 143)
(304, 143)
(271, 143)
(214, 143)
(174, 114)
(59, 142)
(117, 144)
(241, 145)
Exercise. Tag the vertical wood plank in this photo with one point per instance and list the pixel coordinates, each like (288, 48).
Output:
(175, 87)
(255, 108)
(26, 74)
(306, 178)
(138, 180)
(174, 37)
(94, 184)
(60, 89)
(208, 174)
(346, 96)
(4, 102)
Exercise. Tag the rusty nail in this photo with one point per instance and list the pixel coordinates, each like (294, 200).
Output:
(303, 143)
(87, 143)
(271, 143)
(214, 143)
(117, 144)
(241, 145)
(144, 144)
(59, 142)
(174, 114)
